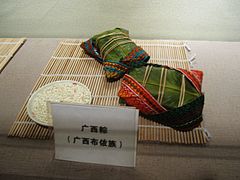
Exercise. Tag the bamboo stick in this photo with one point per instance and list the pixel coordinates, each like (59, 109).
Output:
(8, 50)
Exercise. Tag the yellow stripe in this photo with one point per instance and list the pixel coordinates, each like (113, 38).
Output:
(160, 85)
(105, 45)
(114, 46)
(182, 92)
(164, 85)
(147, 74)
(110, 34)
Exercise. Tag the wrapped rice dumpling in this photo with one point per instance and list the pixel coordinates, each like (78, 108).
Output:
(165, 95)
(116, 51)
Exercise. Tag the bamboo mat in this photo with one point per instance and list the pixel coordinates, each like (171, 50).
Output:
(69, 62)
(8, 47)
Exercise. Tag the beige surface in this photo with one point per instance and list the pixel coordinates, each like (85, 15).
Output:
(28, 159)
(146, 19)
(86, 70)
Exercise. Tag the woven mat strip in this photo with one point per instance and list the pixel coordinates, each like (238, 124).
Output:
(69, 62)
(8, 47)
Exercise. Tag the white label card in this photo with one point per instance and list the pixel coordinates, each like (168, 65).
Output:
(95, 134)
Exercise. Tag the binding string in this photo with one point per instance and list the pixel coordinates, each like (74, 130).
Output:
(182, 92)
(110, 41)
(114, 46)
(164, 85)
(160, 85)
(192, 59)
(107, 35)
(187, 47)
(207, 134)
(146, 75)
